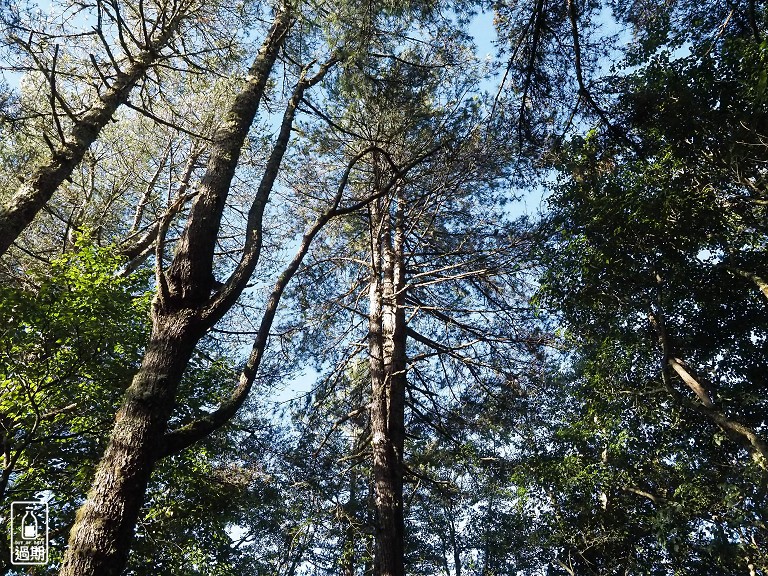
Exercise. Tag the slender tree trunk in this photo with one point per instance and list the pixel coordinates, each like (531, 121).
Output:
(454, 541)
(350, 517)
(387, 356)
(349, 553)
(104, 526)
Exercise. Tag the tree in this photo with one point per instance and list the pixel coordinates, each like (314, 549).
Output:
(655, 265)
(181, 313)
(424, 281)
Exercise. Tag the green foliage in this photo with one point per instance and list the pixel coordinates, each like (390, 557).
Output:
(73, 336)
(70, 341)
(649, 251)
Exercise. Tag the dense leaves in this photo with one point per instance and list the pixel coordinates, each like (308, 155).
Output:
(657, 254)
(70, 342)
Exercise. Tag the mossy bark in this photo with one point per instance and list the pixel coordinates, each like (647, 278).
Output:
(101, 536)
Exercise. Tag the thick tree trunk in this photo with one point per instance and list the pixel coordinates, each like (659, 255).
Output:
(103, 530)
(387, 355)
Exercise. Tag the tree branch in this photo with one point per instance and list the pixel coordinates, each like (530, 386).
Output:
(735, 430)
(34, 193)
(179, 439)
(761, 284)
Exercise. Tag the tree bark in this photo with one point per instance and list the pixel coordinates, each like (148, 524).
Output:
(387, 357)
(104, 526)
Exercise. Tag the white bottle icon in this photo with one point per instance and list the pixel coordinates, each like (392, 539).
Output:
(29, 525)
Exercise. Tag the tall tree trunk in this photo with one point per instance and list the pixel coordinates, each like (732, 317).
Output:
(387, 356)
(454, 537)
(350, 514)
(104, 526)
(348, 561)
(101, 536)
